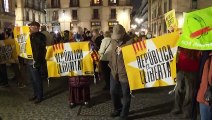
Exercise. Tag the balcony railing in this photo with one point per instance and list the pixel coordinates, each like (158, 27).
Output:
(55, 18)
(74, 5)
(125, 3)
(55, 6)
(112, 3)
(74, 18)
(112, 16)
(96, 4)
(95, 17)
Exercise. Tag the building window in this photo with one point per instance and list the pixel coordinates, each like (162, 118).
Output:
(164, 27)
(33, 16)
(194, 4)
(155, 28)
(74, 14)
(170, 5)
(26, 3)
(112, 2)
(113, 14)
(33, 4)
(27, 15)
(95, 14)
(39, 18)
(154, 14)
(55, 3)
(6, 6)
(96, 2)
(74, 3)
(165, 7)
(55, 16)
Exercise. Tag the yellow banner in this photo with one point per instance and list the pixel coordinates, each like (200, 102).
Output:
(69, 59)
(151, 63)
(22, 41)
(171, 21)
(8, 51)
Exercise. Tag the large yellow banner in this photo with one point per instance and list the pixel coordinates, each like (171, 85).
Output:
(151, 63)
(22, 41)
(69, 59)
(8, 51)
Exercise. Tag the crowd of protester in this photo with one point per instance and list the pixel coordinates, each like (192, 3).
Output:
(194, 74)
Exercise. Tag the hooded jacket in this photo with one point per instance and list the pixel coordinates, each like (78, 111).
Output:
(116, 61)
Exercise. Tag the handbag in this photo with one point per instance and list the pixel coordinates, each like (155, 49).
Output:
(105, 50)
(208, 95)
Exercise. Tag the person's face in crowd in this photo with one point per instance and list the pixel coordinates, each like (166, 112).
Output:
(149, 35)
(34, 29)
(142, 33)
(94, 33)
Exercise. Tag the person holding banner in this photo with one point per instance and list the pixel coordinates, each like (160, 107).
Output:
(118, 79)
(79, 86)
(149, 35)
(38, 44)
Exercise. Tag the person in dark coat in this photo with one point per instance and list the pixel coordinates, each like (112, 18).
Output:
(38, 44)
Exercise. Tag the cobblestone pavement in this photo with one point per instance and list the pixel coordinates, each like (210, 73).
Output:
(147, 104)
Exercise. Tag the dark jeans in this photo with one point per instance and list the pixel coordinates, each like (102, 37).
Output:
(184, 91)
(105, 72)
(36, 79)
(115, 90)
(205, 111)
(3, 74)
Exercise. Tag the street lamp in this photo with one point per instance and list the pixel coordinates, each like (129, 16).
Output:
(139, 20)
(133, 26)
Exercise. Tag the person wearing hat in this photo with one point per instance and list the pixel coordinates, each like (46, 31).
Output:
(38, 44)
(49, 37)
(118, 81)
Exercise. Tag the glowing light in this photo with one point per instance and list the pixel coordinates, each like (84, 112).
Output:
(137, 33)
(180, 22)
(139, 20)
(133, 26)
(55, 31)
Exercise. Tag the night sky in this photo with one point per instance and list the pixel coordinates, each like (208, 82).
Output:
(136, 4)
